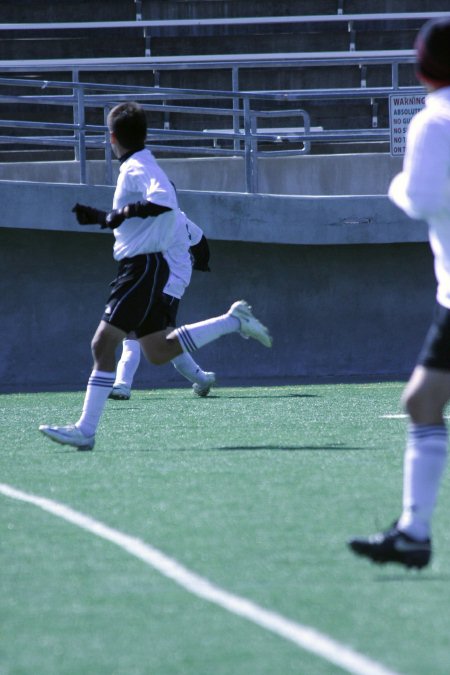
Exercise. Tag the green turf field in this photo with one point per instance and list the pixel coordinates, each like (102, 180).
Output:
(255, 489)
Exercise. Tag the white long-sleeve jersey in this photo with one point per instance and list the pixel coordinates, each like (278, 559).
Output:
(142, 179)
(171, 233)
(422, 189)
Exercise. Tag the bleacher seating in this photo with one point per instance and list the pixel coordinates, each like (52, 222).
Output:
(24, 11)
(166, 54)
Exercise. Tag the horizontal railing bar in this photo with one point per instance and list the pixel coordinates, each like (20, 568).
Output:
(93, 102)
(304, 94)
(72, 142)
(260, 135)
(234, 21)
(29, 124)
(169, 92)
(214, 61)
(172, 94)
(133, 89)
(312, 94)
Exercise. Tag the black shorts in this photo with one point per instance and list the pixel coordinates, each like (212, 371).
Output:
(137, 303)
(436, 348)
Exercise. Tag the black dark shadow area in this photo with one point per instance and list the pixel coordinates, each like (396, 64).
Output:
(287, 448)
(225, 396)
(412, 576)
(248, 448)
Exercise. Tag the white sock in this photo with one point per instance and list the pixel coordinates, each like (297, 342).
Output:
(98, 389)
(128, 363)
(196, 335)
(187, 367)
(424, 464)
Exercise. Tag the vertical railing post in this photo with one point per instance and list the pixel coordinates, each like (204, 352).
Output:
(251, 167)
(108, 151)
(81, 134)
(75, 79)
(394, 68)
(235, 103)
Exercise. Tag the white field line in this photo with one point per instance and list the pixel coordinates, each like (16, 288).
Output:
(397, 416)
(305, 637)
(401, 416)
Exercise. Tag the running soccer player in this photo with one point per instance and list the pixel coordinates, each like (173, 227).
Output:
(422, 190)
(145, 221)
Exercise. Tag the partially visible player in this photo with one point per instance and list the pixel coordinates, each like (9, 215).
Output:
(184, 363)
(422, 190)
(145, 221)
(202, 380)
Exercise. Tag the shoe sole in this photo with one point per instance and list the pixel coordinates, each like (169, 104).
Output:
(119, 397)
(203, 393)
(81, 448)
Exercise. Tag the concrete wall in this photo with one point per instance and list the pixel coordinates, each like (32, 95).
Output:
(333, 311)
(349, 174)
(345, 284)
(236, 217)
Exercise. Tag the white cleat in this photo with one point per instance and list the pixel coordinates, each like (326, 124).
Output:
(250, 326)
(202, 388)
(120, 392)
(68, 435)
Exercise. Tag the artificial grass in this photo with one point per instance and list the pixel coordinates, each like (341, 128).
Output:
(257, 489)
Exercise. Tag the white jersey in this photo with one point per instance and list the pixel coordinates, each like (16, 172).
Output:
(422, 189)
(171, 233)
(178, 257)
(141, 179)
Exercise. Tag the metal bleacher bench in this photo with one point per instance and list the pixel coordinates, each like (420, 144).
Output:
(274, 134)
(156, 27)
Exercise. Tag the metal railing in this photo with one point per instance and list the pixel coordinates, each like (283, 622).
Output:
(233, 63)
(242, 109)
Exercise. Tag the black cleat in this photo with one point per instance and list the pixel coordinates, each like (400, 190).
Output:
(393, 546)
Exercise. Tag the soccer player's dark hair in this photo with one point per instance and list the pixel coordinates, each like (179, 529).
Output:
(129, 124)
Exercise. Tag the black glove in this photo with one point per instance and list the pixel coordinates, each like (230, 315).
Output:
(87, 215)
(200, 255)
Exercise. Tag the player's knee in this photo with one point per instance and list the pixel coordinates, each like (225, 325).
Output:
(101, 345)
(412, 402)
(156, 359)
(96, 346)
(153, 353)
(421, 406)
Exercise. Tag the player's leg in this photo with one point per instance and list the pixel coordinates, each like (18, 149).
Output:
(161, 321)
(126, 369)
(104, 345)
(183, 363)
(82, 434)
(238, 319)
(126, 306)
(408, 541)
(425, 397)
(162, 347)
(202, 381)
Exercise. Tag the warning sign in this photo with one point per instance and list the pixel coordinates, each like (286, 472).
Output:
(401, 110)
